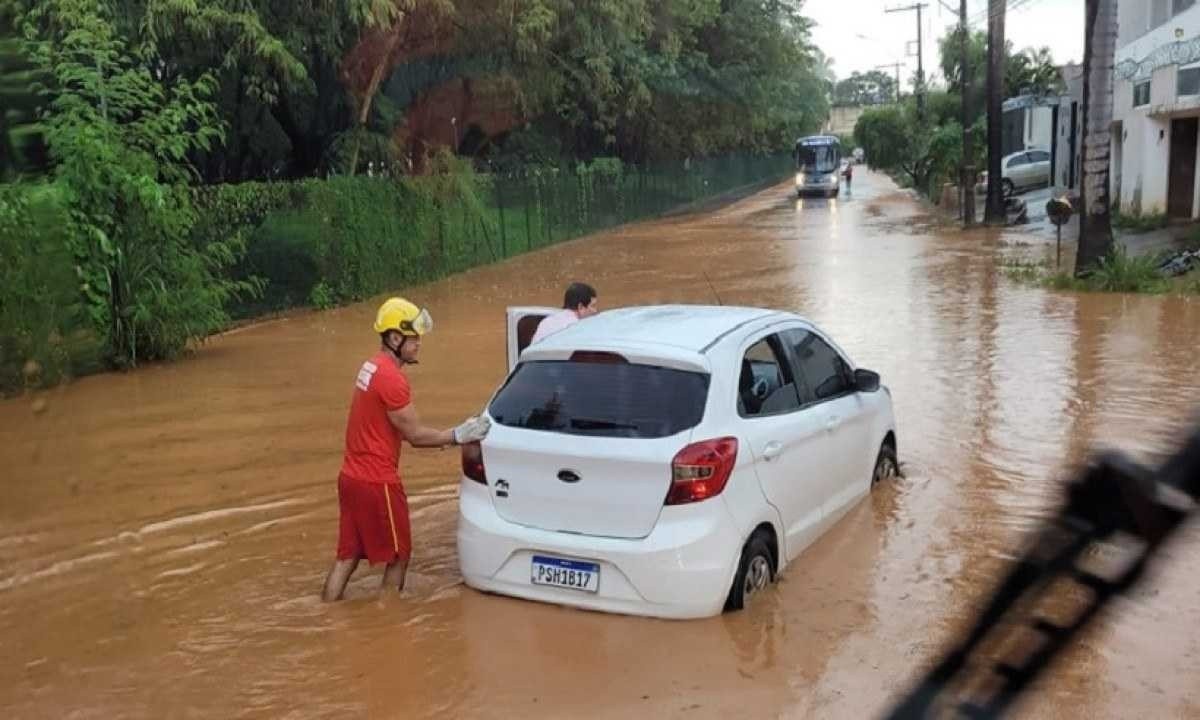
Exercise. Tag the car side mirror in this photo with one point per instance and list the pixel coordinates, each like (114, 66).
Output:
(866, 380)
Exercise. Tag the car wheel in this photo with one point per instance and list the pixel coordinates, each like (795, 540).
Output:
(756, 571)
(1007, 186)
(886, 465)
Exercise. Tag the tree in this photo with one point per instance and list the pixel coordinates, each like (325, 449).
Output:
(870, 88)
(1026, 72)
(119, 139)
(1031, 72)
(1095, 221)
(894, 140)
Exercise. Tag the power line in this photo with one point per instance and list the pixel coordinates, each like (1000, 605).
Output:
(986, 14)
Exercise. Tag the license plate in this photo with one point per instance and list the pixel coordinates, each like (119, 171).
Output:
(570, 574)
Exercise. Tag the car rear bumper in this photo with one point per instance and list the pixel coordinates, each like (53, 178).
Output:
(683, 569)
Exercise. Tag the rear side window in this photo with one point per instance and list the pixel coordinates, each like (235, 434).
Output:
(765, 384)
(825, 373)
(601, 399)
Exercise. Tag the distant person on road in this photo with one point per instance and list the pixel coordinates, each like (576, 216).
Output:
(849, 174)
(579, 302)
(373, 520)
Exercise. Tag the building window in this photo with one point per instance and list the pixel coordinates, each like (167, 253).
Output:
(1141, 94)
(1189, 81)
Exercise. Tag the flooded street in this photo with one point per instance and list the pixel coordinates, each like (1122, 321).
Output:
(164, 534)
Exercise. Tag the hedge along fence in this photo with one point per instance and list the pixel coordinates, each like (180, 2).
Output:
(325, 242)
(43, 336)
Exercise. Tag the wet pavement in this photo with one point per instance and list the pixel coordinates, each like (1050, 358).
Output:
(164, 533)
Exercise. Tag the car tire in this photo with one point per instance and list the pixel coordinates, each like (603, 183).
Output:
(886, 465)
(1007, 187)
(756, 570)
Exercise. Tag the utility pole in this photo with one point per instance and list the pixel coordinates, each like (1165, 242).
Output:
(996, 213)
(968, 150)
(920, 61)
(966, 176)
(893, 66)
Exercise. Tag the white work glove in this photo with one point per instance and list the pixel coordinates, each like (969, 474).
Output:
(473, 430)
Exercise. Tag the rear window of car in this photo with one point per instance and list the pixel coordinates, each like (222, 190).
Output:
(601, 399)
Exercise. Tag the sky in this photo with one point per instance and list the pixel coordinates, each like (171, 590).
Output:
(859, 35)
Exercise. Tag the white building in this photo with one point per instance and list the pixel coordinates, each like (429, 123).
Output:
(1028, 123)
(1156, 107)
(1068, 138)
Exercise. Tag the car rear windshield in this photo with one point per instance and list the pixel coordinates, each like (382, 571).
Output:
(603, 399)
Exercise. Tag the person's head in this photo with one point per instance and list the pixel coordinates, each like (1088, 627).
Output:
(581, 298)
(401, 325)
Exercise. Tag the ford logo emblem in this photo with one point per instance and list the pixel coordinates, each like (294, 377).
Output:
(568, 476)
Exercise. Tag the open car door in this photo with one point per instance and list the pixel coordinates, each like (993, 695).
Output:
(522, 324)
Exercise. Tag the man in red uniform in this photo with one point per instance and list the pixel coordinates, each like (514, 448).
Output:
(373, 520)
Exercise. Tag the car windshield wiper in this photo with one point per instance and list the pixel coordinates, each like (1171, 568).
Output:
(595, 424)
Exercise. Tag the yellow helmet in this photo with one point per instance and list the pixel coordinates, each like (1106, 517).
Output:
(400, 315)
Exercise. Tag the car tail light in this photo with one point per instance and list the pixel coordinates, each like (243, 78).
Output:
(472, 463)
(701, 470)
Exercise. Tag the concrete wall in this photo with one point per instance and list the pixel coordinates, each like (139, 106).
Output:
(1146, 145)
(843, 119)
(1135, 44)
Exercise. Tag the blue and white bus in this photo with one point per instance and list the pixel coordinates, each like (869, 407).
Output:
(818, 165)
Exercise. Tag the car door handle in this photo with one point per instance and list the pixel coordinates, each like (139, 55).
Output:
(771, 451)
(832, 422)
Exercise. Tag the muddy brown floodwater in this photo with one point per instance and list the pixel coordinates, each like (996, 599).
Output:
(164, 533)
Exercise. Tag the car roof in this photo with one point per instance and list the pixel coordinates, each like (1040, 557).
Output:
(688, 327)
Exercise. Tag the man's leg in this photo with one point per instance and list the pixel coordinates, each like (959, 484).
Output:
(339, 576)
(394, 575)
(400, 535)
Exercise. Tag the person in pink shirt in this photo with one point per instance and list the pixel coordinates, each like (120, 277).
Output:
(579, 302)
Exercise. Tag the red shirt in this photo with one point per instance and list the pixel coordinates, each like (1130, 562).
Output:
(372, 442)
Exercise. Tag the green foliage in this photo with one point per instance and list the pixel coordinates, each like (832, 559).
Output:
(1141, 223)
(119, 139)
(1023, 271)
(324, 242)
(321, 297)
(874, 87)
(1122, 272)
(22, 147)
(1030, 71)
(885, 134)
(45, 335)
(1119, 272)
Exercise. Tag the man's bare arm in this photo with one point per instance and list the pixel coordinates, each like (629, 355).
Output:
(406, 421)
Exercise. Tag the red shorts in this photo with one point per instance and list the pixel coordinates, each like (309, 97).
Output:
(373, 522)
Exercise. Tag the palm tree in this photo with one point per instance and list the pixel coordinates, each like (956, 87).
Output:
(1095, 220)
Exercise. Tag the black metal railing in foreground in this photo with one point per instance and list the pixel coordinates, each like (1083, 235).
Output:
(1116, 516)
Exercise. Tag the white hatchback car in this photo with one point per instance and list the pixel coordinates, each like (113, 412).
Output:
(666, 461)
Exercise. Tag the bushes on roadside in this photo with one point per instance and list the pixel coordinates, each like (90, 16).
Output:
(326, 242)
(45, 334)
(1118, 272)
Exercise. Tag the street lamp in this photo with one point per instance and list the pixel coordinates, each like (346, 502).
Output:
(454, 129)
